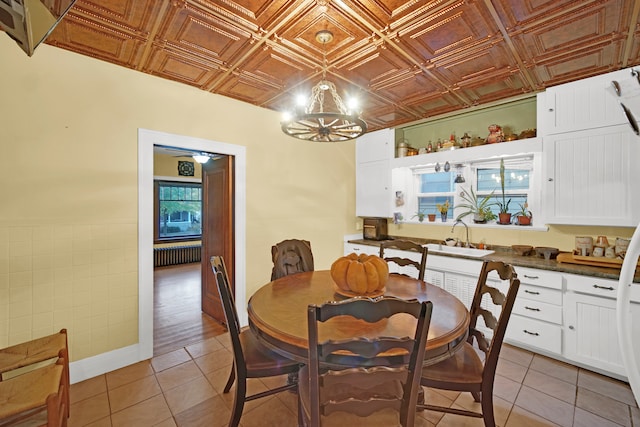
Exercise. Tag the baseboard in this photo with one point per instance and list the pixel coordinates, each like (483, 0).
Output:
(105, 362)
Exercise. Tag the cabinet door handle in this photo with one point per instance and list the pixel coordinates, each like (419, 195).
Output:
(531, 308)
(531, 292)
(550, 110)
(531, 277)
(531, 333)
(606, 288)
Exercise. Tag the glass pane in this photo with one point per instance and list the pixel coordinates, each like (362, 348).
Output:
(437, 182)
(514, 180)
(427, 205)
(180, 210)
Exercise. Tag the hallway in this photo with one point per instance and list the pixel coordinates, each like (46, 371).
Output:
(177, 317)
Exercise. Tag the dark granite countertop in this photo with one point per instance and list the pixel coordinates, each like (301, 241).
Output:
(507, 255)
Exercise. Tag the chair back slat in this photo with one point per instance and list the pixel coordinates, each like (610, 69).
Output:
(406, 245)
(374, 381)
(497, 317)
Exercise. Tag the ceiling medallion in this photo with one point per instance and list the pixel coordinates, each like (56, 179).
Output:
(316, 119)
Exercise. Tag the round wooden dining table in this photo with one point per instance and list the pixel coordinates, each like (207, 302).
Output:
(278, 315)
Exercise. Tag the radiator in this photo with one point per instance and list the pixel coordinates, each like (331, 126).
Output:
(174, 255)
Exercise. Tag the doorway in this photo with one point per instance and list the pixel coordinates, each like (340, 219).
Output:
(146, 140)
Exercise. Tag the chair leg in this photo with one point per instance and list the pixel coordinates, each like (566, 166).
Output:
(232, 378)
(487, 410)
(476, 396)
(238, 403)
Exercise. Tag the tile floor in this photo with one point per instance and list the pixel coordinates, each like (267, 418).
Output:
(184, 388)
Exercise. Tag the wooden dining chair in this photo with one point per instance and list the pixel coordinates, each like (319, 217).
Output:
(465, 371)
(406, 245)
(21, 358)
(38, 396)
(386, 385)
(290, 257)
(250, 358)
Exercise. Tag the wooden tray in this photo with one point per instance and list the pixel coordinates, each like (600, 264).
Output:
(589, 260)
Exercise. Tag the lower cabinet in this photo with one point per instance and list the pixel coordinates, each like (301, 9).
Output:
(536, 319)
(591, 329)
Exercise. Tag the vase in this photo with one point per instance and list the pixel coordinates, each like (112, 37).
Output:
(443, 216)
(504, 218)
(479, 219)
(524, 220)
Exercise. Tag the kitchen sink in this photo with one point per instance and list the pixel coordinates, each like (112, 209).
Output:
(455, 250)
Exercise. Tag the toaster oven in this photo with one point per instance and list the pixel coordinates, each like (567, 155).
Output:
(374, 228)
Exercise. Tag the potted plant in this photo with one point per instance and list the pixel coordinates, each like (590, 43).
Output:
(443, 209)
(524, 215)
(432, 217)
(479, 208)
(504, 215)
(420, 216)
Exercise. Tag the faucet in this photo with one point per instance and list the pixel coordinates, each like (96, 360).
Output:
(459, 221)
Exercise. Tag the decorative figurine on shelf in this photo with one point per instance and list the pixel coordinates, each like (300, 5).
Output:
(466, 140)
(495, 134)
(430, 147)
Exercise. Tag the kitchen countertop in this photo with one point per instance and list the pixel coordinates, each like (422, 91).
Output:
(507, 255)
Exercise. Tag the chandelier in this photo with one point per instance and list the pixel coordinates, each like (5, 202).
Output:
(316, 119)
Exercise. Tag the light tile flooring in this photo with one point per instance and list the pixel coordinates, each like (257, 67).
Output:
(184, 388)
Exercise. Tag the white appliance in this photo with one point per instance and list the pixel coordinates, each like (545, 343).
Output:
(628, 92)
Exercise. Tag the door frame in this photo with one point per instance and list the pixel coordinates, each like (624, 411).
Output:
(146, 140)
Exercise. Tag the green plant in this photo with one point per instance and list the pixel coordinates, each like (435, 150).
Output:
(420, 216)
(443, 208)
(504, 205)
(524, 211)
(479, 207)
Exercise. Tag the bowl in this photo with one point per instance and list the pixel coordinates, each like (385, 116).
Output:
(522, 249)
(450, 241)
(547, 253)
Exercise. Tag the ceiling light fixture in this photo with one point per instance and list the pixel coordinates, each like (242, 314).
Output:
(316, 119)
(201, 158)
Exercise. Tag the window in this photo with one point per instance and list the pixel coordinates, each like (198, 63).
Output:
(435, 188)
(431, 188)
(517, 176)
(178, 210)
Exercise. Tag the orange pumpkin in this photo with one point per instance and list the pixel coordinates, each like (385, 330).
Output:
(360, 274)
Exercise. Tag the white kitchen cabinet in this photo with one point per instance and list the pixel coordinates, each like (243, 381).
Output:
(360, 249)
(589, 177)
(536, 320)
(591, 334)
(579, 105)
(434, 277)
(374, 152)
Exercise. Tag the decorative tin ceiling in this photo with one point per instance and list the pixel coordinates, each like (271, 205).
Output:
(406, 60)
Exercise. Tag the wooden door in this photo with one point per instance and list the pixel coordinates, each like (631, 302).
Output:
(217, 229)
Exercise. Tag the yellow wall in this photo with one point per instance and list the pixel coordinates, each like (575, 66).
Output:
(68, 179)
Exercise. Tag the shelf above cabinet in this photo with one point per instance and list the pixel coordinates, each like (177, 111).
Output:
(465, 155)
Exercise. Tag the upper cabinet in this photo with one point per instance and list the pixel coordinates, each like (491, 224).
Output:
(374, 152)
(589, 154)
(584, 104)
(589, 177)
